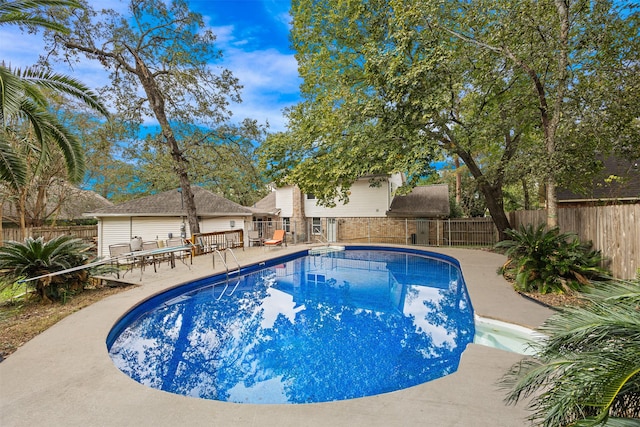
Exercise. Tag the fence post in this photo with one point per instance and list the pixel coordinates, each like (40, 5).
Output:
(406, 231)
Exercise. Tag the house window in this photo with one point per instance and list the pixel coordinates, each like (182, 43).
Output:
(286, 224)
(311, 196)
(316, 226)
(315, 278)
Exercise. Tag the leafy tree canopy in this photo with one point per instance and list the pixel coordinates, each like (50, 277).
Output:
(512, 88)
(161, 59)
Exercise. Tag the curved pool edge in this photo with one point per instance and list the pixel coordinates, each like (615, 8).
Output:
(401, 264)
(173, 291)
(71, 357)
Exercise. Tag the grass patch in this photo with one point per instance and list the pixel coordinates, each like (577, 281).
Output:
(24, 318)
(10, 291)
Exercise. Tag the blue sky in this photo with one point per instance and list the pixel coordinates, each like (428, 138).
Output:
(252, 34)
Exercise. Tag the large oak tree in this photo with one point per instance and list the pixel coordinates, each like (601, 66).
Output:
(162, 61)
(501, 85)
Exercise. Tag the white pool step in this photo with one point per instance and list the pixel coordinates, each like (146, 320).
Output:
(325, 250)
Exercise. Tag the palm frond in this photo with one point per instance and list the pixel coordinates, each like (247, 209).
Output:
(63, 84)
(70, 146)
(11, 94)
(25, 12)
(13, 169)
(47, 128)
(589, 368)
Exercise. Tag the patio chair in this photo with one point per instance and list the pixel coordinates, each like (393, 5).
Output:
(155, 258)
(117, 252)
(233, 240)
(278, 238)
(177, 241)
(205, 246)
(254, 238)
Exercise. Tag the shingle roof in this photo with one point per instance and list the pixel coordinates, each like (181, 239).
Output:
(626, 188)
(429, 201)
(266, 205)
(170, 203)
(72, 201)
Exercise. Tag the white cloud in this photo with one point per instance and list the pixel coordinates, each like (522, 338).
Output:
(270, 82)
(269, 77)
(20, 49)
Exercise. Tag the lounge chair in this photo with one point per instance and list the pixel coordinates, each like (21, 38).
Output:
(278, 238)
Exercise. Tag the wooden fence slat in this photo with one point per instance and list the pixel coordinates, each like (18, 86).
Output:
(614, 230)
(85, 232)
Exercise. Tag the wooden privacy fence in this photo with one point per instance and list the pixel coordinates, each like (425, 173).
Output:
(88, 233)
(614, 230)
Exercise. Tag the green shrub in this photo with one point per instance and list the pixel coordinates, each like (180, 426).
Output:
(35, 257)
(587, 373)
(548, 261)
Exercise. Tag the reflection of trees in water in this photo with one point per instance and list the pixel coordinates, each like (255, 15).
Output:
(341, 352)
(334, 349)
(452, 312)
(191, 347)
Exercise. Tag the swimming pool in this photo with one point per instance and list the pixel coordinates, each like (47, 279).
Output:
(302, 328)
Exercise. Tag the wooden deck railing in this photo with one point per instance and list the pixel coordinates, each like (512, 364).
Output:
(207, 242)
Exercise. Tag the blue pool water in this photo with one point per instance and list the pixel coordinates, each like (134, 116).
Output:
(302, 328)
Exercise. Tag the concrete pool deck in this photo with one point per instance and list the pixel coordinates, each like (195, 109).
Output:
(64, 376)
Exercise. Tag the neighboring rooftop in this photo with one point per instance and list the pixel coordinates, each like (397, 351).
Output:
(63, 202)
(619, 181)
(266, 205)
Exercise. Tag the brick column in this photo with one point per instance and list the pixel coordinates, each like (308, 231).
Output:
(298, 220)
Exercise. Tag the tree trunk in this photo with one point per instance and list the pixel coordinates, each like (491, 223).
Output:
(493, 198)
(157, 104)
(20, 210)
(456, 162)
(38, 215)
(156, 101)
(552, 203)
(561, 88)
(492, 193)
(527, 197)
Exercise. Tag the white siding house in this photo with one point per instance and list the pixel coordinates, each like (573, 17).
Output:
(284, 201)
(364, 201)
(162, 215)
(304, 220)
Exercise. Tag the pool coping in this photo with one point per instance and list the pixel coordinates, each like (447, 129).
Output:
(65, 376)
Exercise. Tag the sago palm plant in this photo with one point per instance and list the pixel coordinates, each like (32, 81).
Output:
(37, 257)
(588, 371)
(548, 261)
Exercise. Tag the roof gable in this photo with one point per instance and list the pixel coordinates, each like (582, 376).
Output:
(266, 205)
(427, 201)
